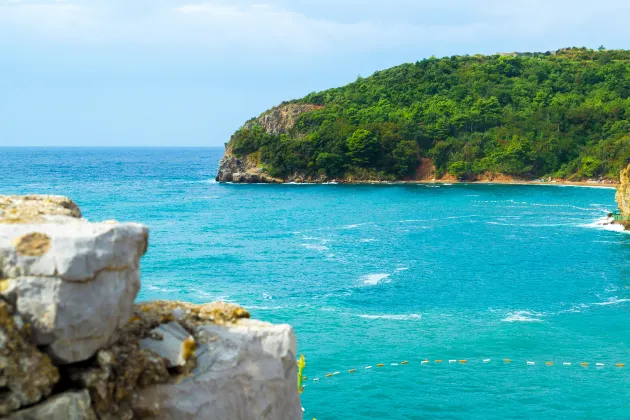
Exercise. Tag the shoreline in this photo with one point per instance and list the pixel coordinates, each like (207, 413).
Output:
(583, 184)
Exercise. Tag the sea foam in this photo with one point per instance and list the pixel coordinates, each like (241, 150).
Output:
(392, 317)
(523, 316)
(374, 279)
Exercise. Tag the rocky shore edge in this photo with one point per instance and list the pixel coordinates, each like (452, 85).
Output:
(74, 345)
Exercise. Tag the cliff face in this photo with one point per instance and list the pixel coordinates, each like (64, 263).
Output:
(73, 345)
(623, 192)
(247, 169)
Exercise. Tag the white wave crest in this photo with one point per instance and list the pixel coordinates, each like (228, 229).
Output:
(612, 301)
(374, 279)
(320, 248)
(392, 317)
(264, 308)
(523, 316)
(604, 223)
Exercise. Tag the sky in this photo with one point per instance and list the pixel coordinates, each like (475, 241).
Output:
(190, 73)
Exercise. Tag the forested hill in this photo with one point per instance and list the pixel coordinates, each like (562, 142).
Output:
(564, 114)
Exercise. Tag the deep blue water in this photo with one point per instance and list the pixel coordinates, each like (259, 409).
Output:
(382, 274)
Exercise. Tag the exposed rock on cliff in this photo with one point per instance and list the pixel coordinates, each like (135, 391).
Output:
(281, 119)
(247, 169)
(66, 290)
(623, 192)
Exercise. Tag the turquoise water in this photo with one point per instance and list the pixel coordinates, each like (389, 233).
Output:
(382, 274)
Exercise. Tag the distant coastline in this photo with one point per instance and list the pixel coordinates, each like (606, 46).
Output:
(584, 184)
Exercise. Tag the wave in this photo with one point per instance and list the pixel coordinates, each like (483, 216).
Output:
(523, 316)
(367, 240)
(374, 279)
(320, 248)
(155, 288)
(392, 317)
(264, 308)
(612, 301)
(402, 269)
(604, 223)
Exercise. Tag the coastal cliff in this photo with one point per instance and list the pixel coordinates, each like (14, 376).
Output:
(239, 167)
(623, 192)
(74, 345)
(522, 117)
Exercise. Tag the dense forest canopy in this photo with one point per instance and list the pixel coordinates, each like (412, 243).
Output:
(564, 114)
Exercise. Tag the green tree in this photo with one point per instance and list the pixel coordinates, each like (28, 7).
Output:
(458, 169)
(406, 157)
(362, 147)
(330, 163)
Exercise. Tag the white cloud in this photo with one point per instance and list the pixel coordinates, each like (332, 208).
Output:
(309, 27)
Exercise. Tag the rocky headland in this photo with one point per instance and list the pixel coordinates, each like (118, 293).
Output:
(74, 345)
(473, 118)
(622, 197)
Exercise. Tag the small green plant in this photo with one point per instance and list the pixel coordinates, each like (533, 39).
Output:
(301, 365)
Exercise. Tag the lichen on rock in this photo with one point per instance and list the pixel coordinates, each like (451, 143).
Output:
(32, 244)
(26, 375)
(33, 208)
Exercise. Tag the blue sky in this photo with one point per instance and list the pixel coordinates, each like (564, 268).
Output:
(189, 73)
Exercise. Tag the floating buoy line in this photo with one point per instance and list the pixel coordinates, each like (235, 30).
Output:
(426, 362)
(480, 362)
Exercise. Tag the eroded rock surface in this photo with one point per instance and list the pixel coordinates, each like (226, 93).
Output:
(74, 346)
(67, 406)
(623, 192)
(245, 371)
(26, 375)
(73, 281)
(247, 169)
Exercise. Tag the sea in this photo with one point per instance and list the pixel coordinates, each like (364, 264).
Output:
(479, 301)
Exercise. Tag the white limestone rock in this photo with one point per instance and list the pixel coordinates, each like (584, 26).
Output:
(172, 342)
(245, 371)
(73, 280)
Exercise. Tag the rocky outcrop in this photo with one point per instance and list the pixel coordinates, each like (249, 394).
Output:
(71, 405)
(623, 192)
(247, 169)
(243, 170)
(74, 346)
(73, 281)
(245, 370)
(26, 375)
(281, 119)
